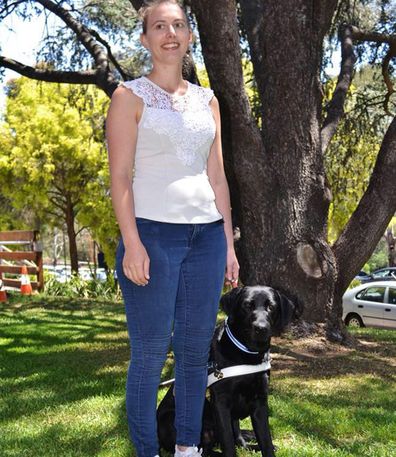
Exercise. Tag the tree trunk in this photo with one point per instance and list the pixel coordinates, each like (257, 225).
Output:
(280, 172)
(71, 234)
(391, 242)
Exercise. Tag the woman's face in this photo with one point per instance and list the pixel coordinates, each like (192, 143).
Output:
(167, 36)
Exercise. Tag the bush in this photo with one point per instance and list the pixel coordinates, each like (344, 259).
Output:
(77, 287)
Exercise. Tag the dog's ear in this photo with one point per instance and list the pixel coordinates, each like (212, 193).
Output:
(287, 311)
(229, 300)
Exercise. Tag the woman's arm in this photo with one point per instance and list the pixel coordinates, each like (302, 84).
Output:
(121, 133)
(219, 184)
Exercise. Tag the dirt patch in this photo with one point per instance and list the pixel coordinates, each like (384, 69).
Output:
(314, 355)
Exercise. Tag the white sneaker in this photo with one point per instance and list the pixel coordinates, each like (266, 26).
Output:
(191, 451)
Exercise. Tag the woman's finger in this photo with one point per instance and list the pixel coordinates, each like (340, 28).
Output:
(146, 269)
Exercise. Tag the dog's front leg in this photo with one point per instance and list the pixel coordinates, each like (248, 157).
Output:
(261, 428)
(224, 428)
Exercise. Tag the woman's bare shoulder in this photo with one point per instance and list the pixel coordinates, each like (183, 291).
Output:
(125, 95)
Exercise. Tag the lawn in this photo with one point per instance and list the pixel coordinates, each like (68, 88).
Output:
(62, 375)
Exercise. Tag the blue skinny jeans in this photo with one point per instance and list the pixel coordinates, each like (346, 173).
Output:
(179, 307)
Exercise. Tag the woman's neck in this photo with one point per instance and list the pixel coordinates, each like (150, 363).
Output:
(170, 78)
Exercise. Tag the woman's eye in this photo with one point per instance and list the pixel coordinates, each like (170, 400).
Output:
(179, 25)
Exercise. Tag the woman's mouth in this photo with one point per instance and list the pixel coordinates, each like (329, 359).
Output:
(171, 46)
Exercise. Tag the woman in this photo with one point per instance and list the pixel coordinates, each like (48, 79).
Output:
(175, 222)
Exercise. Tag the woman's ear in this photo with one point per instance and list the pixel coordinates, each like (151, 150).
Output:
(229, 300)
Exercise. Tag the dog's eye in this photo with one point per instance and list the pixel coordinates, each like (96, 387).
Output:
(269, 305)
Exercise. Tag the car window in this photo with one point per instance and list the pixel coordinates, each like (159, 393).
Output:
(392, 296)
(381, 273)
(360, 294)
(375, 294)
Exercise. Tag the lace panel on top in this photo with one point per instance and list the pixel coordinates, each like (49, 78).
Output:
(156, 97)
(186, 120)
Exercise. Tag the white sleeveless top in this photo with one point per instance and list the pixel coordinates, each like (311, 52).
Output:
(175, 134)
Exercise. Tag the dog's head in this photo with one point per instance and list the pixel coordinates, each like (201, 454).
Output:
(257, 313)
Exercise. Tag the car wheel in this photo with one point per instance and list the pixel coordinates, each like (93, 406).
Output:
(354, 320)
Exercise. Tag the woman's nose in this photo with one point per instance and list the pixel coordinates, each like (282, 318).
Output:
(171, 31)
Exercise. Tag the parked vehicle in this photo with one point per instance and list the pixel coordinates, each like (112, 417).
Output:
(371, 304)
(362, 276)
(383, 274)
(88, 275)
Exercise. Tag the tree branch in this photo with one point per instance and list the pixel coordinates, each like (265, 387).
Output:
(335, 108)
(83, 34)
(54, 201)
(111, 57)
(105, 79)
(71, 77)
(53, 213)
(369, 221)
(385, 73)
(363, 35)
(81, 229)
(10, 8)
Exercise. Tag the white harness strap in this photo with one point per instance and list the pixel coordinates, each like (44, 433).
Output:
(237, 370)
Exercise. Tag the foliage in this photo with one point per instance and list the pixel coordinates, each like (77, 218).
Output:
(64, 364)
(374, 15)
(352, 153)
(379, 259)
(77, 287)
(53, 158)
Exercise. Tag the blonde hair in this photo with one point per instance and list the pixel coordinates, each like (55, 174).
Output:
(149, 5)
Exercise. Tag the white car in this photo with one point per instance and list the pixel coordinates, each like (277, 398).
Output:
(371, 304)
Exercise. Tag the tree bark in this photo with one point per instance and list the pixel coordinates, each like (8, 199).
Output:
(71, 234)
(391, 242)
(279, 171)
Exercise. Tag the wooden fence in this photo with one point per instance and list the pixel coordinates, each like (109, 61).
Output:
(18, 248)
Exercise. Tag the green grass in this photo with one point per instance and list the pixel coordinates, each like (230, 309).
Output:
(62, 375)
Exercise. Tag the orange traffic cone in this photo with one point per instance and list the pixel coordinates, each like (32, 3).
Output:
(3, 293)
(26, 287)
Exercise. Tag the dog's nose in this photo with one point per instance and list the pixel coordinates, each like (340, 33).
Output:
(261, 329)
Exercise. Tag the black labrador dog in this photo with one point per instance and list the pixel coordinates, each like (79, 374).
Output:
(238, 372)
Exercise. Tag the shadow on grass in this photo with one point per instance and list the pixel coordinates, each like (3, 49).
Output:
(343, 420)
(57, 352)
(53, 355)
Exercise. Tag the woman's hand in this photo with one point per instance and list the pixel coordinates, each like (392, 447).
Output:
(136, 264)
(232, 270)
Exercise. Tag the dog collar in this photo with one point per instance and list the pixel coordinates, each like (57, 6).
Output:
(237, 343)
(238, 370)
